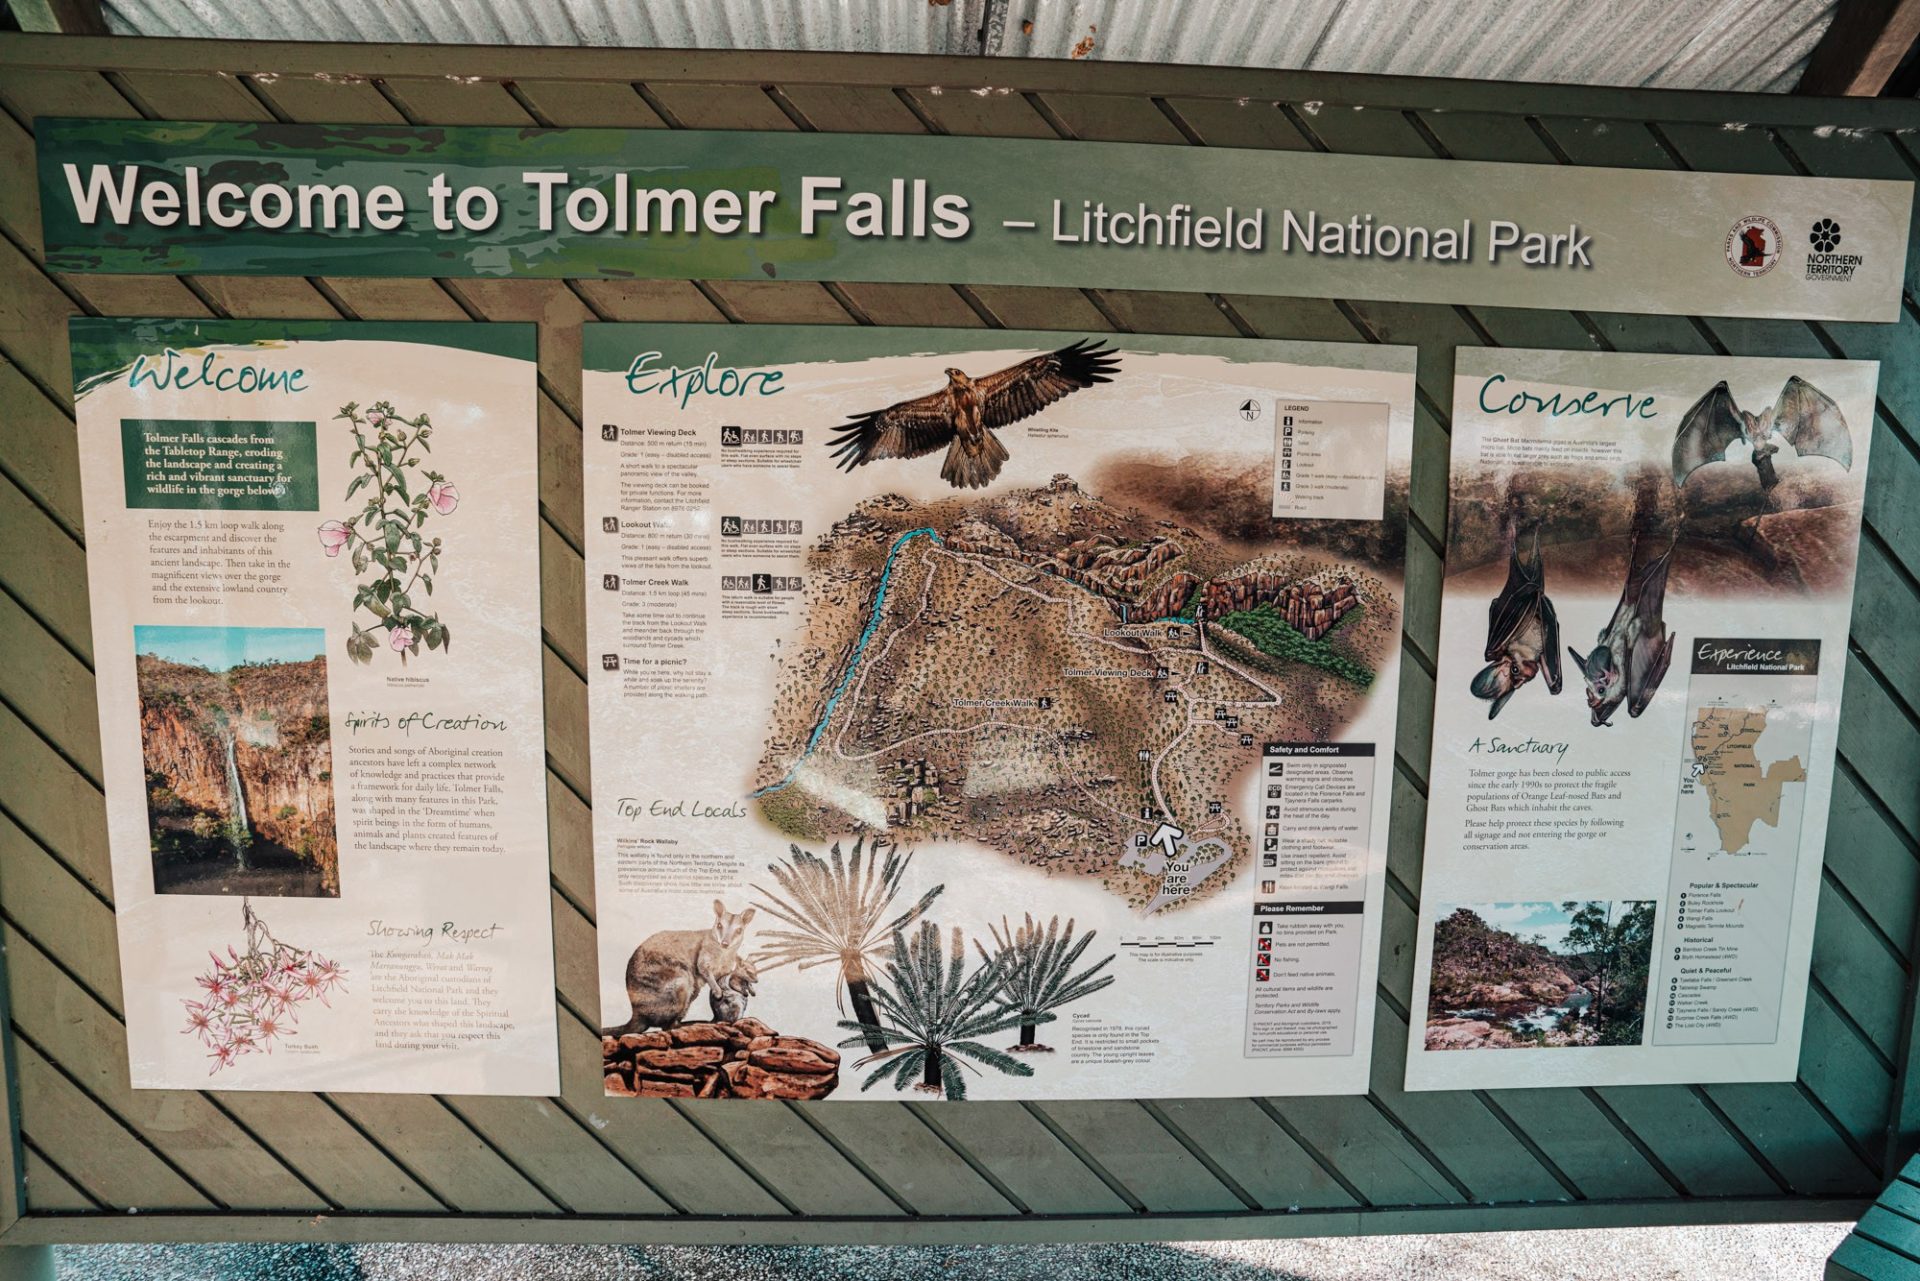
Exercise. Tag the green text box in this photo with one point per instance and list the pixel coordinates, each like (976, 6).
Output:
(226, 465)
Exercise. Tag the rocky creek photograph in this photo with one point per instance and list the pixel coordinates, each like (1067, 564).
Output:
(236, 743)
(1513, 976)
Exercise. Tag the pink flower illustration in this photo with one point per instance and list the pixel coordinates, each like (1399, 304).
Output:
(254, 999)
(199, 1020)
(329, 971)
(391, 500)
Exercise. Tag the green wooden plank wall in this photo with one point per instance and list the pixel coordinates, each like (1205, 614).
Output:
(216, 1165)
(1885, 1246)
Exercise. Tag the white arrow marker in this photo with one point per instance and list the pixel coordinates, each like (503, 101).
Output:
(1167, 835)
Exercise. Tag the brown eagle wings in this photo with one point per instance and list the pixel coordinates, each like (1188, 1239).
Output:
(964, 414)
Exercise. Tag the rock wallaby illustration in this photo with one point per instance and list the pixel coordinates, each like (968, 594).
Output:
(668, 970)
(729, 1001)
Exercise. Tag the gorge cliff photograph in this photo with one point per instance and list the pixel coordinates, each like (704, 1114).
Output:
(1509, 976)
(236, 743)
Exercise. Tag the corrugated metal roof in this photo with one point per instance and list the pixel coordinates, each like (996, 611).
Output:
(1757, 45)
(846, 26)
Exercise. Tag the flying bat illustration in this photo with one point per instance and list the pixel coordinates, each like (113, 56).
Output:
(1804, 417)
(965, 413)
(1633, 649)
(1523, 634)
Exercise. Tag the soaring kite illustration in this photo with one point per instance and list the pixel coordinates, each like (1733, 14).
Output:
(1804, 417)
(965, 413)
(1634, 648)
(1523, 633)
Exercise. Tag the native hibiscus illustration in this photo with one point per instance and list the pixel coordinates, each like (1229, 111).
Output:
(251, 1000)
(394, 559)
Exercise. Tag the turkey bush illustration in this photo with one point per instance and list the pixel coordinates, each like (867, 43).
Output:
(932, 1015)
(252, 999)
(385, 534)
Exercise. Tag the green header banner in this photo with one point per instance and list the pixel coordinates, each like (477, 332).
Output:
(291, 199)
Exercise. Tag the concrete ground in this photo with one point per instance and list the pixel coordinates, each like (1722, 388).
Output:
(1792, 1252)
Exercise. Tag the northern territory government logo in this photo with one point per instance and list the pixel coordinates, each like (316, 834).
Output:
(1753, 246)
(1824, 262)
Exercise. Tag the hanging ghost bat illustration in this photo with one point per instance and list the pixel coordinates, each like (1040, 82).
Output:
(1804, 417)
(1633, 649)
(1523, 633)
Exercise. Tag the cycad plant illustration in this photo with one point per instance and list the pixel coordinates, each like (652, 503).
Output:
(385, 533)
(1038, 972)
(933, 1016)
(836, 910)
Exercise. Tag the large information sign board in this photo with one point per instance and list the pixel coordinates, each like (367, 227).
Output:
(313, 556)
(990, 715)
(1643, 635)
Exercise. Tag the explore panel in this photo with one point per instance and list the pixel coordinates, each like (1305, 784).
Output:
(1650, 565)
(313, 557)
(966, 724)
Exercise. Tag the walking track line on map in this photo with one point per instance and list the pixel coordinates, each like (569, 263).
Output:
(854, 677)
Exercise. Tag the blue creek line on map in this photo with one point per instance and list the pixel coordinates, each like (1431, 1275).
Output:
(853, 663)
(860, 646)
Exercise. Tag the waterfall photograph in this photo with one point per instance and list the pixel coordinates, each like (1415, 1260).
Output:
(236, 743)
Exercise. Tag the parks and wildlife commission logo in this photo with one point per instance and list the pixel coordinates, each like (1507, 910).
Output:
(1753, 246)
(1824, 261)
